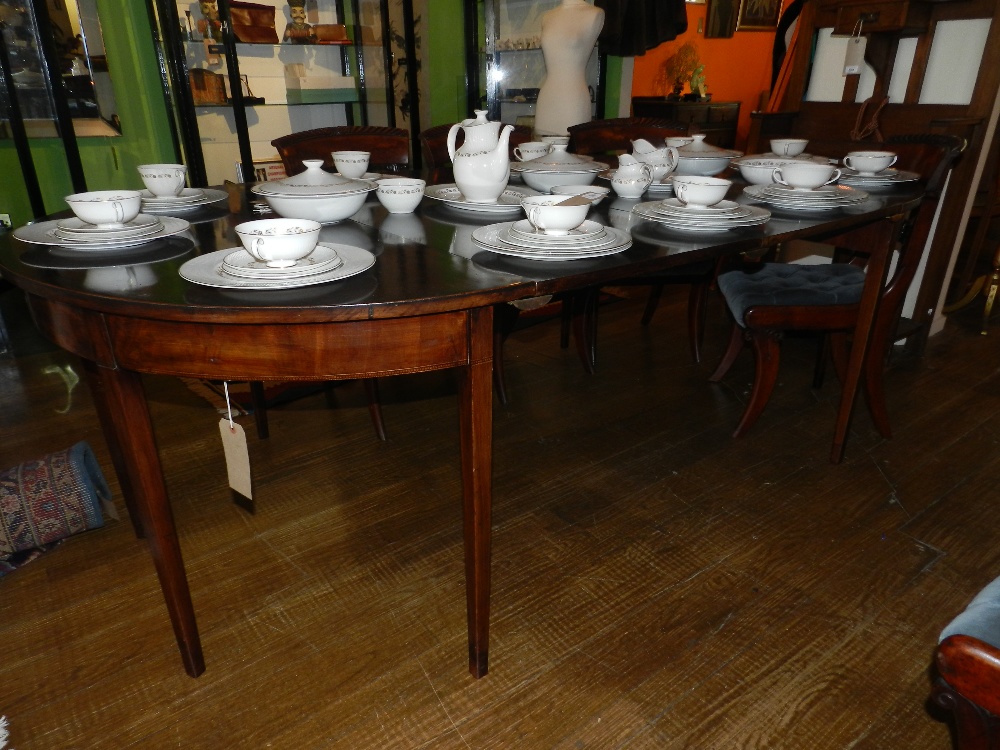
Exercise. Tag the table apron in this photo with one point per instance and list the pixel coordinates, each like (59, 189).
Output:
(348, 349)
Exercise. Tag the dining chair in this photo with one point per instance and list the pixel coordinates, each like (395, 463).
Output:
(389, 147)
(434, 148)
(390, 153)
(609, 138)
(772, 298)
(967, 671)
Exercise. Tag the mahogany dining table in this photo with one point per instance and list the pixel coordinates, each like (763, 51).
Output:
(426, 304)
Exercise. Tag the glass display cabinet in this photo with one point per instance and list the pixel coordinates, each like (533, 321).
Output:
(510, 67)
(241, 74)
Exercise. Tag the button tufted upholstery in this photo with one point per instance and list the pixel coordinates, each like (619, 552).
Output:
(789, 284)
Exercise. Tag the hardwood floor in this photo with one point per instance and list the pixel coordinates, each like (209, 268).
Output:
(656, 583)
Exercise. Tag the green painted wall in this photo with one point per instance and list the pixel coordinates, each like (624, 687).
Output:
(445, 61)
(108, 162)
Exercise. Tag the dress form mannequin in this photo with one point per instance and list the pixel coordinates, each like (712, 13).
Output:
(569, 32)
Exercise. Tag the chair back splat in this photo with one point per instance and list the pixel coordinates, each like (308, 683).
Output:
(389, 147)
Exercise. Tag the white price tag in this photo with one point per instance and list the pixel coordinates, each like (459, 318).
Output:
(855, 57)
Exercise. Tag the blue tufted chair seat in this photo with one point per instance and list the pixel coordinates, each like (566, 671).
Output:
(980, 619)
(789, 284)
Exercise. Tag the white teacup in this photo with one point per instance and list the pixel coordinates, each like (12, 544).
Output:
(108, 209)
(806, 175)
(163, 180)
(555, 140)
(696, 191)
(545, 214)
(632, 177)
(788, 146)
(869, 163)
(531, 150)
(351, 164)
(400, 195)
(279, 243)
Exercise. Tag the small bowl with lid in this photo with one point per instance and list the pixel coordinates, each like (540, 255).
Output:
(558, 167)
(703, 159)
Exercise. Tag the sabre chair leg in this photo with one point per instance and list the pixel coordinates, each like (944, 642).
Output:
(840, 350)
(767, 357)
(259, 409)
(655, 292)
(697, 307)
(375, 407)
(737, 340)
(822, 358)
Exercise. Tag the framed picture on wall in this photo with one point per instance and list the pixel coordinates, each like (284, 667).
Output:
(720, 18)
(759, 15)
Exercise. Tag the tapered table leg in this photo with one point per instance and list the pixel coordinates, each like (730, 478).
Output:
(476, 417)
(128, 417)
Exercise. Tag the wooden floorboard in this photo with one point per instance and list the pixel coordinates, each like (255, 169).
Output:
(656, 583)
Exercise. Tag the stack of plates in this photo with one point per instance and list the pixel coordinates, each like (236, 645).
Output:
(886, 178)
(508, 202)
(77, 234)
(242, 265)
(821, 199)
(189, 199)
(520, 240)
(720, 217)
(236, 269)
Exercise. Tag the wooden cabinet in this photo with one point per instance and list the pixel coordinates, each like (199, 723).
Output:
(904, 17)
(717, 120)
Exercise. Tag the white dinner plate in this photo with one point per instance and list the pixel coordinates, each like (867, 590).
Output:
(508, 202)
(206, 270)
(44, 233)
(488, 237)
(158, 206)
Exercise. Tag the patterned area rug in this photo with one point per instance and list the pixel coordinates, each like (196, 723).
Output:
(44, 501)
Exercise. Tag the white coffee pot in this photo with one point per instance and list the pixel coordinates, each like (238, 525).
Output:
(482, 163)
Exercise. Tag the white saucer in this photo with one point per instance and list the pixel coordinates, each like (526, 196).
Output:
(185, 196)
(206, 270)
(157, 205)
(243, 265)
(587, 230)
(489, 238)
(79, 226)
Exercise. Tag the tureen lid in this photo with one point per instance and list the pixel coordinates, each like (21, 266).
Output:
(314, 181)
(559, 160)
(699, 149)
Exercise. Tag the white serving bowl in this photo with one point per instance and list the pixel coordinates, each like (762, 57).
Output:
(597, 193)
(279, 243)
(400, 195)
(543, 182)
(325, 209)
(703, 159)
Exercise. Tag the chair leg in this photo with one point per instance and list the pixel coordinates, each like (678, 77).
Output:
(840, 351)
(655, 291)
(259, 409)
(737, 339)
(375, 407)
(566, 320)
(504, 318)
(767, 356)
(822, 357)
(697, 309)
(585, 327)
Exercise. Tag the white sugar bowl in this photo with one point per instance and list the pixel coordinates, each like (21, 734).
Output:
(400, 195)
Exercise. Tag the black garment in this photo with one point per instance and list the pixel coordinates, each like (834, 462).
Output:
(633, 26)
